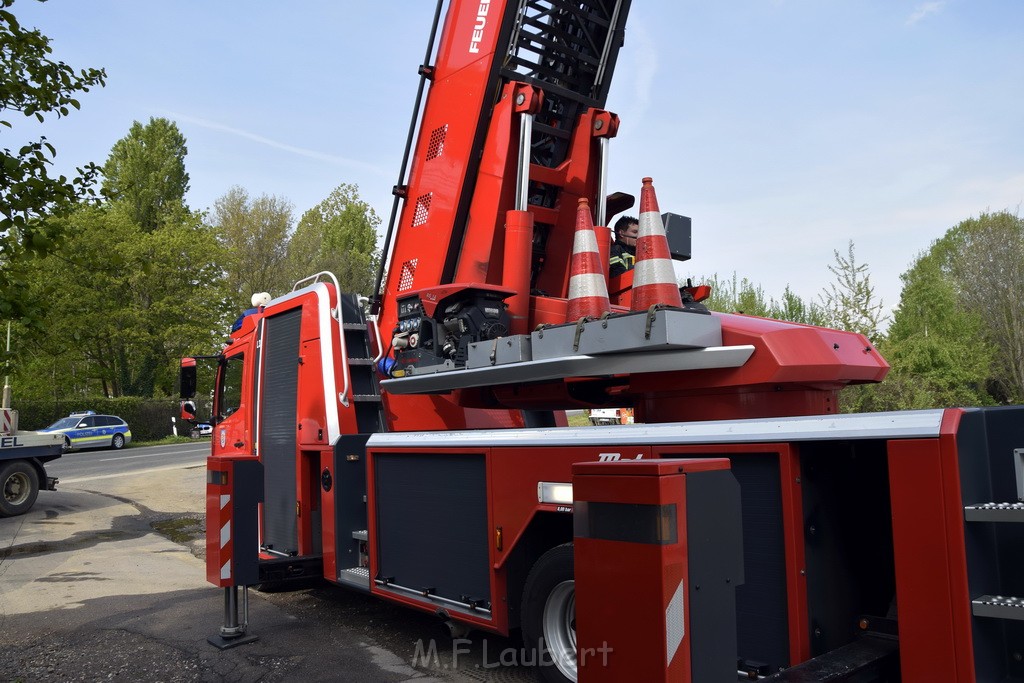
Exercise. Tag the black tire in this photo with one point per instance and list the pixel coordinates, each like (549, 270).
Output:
(549, 615)
(117, 443)
(67, 445)
(194, 434)
(19, 486)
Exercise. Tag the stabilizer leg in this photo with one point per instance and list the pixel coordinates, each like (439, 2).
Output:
(233, 634)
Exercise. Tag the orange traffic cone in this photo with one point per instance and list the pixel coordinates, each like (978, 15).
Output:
(588, 292)
(654, 279)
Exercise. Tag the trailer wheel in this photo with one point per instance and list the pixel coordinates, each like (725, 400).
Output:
(19, 486)
(549, 615)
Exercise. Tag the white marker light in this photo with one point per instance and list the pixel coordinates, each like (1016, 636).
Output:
(554, 492)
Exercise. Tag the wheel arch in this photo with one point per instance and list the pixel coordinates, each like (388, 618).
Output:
(37, 465)
(545, 531)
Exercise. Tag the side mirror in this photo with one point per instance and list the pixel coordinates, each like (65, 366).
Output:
(187, 378)
(188, 410)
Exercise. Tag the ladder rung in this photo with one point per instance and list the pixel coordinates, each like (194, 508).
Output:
(361, 535)
(994, 512)
(353, 326)
(373, 398)
(999, 607)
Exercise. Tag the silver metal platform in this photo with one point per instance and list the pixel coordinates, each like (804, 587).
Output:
(572, 366)
(637, 332)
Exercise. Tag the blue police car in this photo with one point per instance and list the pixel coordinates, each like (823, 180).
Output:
(89, 430)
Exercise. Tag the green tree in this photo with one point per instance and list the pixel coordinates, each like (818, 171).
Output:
(146, 171)
(337, 235)
(849, 302)
(794, 309)
(984, 257)
(743, 296)
(254, 233)
(34, 85)
(936, 345)
(736, 296)
(124, 303)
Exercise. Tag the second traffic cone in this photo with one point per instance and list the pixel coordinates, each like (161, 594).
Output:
(588, 293)
(654, 278)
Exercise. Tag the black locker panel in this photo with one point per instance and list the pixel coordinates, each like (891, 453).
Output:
(432, 523)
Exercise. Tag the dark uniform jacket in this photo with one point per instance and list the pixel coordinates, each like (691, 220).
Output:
(622, 259)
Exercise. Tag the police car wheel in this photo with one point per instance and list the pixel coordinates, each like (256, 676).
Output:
(549, 615)
(66, 446)
(117, 442)
(19, 486)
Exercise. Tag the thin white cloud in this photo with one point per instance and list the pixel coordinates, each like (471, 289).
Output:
(924, 9)
(301, 151)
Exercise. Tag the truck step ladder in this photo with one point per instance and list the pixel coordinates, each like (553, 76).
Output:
(365, 392)
(994, 536)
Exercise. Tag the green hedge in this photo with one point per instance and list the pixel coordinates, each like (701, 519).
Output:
(148, 419)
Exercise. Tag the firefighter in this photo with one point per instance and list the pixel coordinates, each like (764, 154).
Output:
(623, 251)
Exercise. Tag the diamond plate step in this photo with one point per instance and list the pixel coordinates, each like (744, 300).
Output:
(999, 607)
(358, 577)
(994, 512)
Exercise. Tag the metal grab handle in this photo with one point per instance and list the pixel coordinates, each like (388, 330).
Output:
(312, 279)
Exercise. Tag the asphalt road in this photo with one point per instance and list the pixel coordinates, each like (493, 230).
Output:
(104, 579)
(80, 467)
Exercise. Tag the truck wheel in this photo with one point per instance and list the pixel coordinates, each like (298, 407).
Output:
(549, 615)
(19, 486)
(117, 443)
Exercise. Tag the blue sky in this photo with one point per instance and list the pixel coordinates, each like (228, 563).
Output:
(784, 128)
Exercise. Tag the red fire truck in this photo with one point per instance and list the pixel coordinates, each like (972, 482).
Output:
(414, 445)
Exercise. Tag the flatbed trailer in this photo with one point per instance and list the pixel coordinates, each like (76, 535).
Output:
(23, 459)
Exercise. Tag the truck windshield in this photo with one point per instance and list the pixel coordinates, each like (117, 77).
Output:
(229, 386)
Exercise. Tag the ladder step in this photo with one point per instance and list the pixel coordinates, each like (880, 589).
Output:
(994, 512)
(999, 607)
(356, 576)
(353, 326)
(361, 535)
(360, 361)
(373, 398)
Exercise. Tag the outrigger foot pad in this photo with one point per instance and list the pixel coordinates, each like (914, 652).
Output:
(222, 643)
